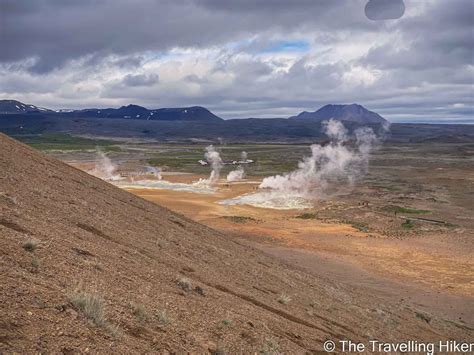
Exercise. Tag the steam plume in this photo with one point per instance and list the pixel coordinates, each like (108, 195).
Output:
(214, 159)
(337, 163)
(327, 171)
(104, 168)
(236, 175)
(239, 173)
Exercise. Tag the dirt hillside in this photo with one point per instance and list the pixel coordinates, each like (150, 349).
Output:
(87, 267)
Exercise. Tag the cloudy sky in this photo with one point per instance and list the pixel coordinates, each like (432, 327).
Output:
(269, 58)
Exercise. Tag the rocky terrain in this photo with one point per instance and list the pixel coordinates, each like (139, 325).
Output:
(87, 267)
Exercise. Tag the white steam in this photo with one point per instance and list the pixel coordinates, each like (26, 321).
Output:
(215, 161)
(327, 171)
(329, 167)
(104, 168)
(236, 175)
(239, 173)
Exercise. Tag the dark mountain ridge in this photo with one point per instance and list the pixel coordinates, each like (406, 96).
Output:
(186, 125)
(14, 107)
(193, 113)
(346, 113)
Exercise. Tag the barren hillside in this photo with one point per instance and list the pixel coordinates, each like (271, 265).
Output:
(87, 267)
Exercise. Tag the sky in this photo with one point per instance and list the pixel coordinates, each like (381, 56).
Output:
(408, 60)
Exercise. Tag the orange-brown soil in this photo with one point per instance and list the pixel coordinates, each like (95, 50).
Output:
(433, 267)
(96, 238)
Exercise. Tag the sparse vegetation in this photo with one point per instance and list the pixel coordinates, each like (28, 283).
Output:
(31, 245)
(240, 219)
(284, 299)
(306, 216)
(185, 284)
(163, 318)
(226, 322)
(219, 351)
(139, 311)
(362, 227)
(450, 225)
(35, 263)
(64, 142)
(270, 347)
(423, 316)
(90, 305)
(408, 210)
(408, 224)
(199, 290)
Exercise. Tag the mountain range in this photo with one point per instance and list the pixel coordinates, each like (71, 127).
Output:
(197, 124)
(348, 113)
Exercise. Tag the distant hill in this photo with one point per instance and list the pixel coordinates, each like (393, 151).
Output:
(348, 113)
(14, 107)
(194, 113)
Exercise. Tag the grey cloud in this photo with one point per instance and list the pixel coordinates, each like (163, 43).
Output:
(54, 32)
(140, 79)
(64, 54)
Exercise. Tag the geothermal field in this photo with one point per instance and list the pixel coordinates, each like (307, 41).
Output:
(394, 220)
(131, 245)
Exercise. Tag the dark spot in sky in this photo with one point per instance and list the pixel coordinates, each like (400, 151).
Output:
(384, 9)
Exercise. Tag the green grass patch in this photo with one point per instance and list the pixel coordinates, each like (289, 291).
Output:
(408, 224)
(62, 141)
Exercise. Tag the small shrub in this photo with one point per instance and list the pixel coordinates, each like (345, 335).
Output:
(226, 322)
(31, 245)
(113, 329)
(284, 299)
(140, 312)
(200, 291)
(91, 305)
(35, 263)
(185, 284)
(219, 351)
(408, 224)
(270, 347)
(163, 318)
(423, 316)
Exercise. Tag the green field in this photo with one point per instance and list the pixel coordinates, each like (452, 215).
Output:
(66, 142)
(268, 159)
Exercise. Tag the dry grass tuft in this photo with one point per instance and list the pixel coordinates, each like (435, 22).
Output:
(284, 299)
(35, 263)
(140, 312)
(185, 284)
(31, 245)
(163, 318)
(91, 305)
